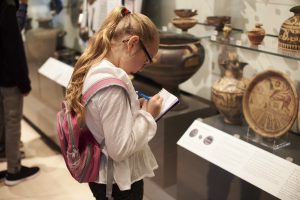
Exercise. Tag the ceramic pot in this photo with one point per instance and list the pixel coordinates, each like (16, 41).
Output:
(185, 13)
(179, 57)
(41, 44)
(184, 23)
(258, 28)
(218, 21)
(256, 35)
(289, 34)
(227, 92)
(227, 30)
(67, 55)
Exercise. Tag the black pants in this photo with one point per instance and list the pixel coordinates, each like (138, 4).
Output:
(135, 193)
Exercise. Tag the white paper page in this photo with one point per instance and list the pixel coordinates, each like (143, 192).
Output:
(65, 77)
(168, 101)
(51, 68)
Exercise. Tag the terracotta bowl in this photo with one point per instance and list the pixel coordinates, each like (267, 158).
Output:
(185, 13)
(255, 37)
(184, 23)
(218, 21)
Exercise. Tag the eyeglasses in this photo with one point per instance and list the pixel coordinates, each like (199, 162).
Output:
(145, 50)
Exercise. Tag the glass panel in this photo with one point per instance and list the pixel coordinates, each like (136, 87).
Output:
(269, 44)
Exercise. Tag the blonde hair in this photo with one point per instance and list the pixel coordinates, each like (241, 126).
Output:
(118, 23)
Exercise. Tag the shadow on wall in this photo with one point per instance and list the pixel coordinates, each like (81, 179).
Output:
(160, 12)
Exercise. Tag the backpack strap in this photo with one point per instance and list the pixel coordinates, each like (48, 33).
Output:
(100, 85)
(104, 83)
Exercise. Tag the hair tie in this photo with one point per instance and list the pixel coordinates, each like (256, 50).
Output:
(125, 12)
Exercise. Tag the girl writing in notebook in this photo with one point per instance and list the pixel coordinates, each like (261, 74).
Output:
(125, 43)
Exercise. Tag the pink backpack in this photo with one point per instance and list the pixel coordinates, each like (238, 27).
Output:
(78, 146)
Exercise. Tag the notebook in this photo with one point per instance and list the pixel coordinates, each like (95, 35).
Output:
(169, 101)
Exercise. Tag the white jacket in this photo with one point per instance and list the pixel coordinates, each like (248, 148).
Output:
(116, 116)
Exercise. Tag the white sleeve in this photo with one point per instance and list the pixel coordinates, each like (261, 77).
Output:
(124, 132)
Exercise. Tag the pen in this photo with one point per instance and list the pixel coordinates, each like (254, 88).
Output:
(140, 94)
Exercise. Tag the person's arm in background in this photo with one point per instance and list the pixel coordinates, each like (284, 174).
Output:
(22, 14)
(56, 6)
(12, 49)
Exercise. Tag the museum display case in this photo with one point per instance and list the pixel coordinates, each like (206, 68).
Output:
(198, 175)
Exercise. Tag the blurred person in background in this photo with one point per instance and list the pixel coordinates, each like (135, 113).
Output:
(21, 18)
(14, 85)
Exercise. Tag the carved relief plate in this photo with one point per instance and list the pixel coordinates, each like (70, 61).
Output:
(270, 104)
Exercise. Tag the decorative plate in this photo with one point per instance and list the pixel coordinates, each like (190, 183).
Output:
(270, 104)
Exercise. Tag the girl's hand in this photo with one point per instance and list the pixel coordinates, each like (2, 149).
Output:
(153, 105)
(141, 100)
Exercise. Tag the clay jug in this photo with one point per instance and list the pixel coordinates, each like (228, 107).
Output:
(227, 30)
(289, 34)
(41, 42)
(227, 92)
(257, 34)
(179, 57)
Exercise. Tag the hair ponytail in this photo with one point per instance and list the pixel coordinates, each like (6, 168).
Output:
(120, 21)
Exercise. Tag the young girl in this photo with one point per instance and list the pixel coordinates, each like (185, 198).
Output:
(125, 43)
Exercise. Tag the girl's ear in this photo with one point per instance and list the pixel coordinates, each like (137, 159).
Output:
(133, 40)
